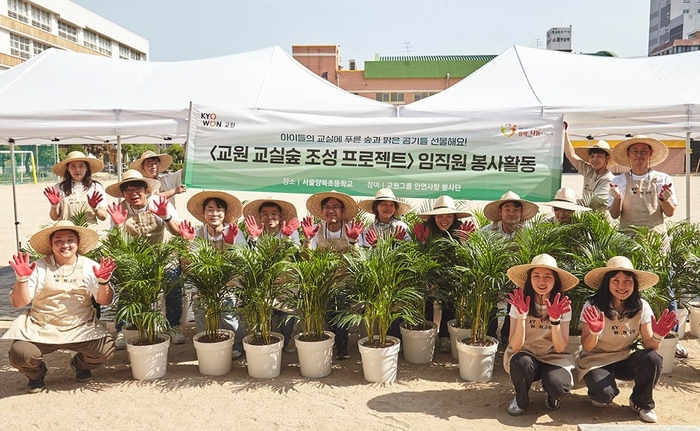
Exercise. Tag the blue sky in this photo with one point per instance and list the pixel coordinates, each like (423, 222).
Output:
(186, 30)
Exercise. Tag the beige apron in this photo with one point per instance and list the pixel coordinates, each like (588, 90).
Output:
(614, 344)
(145, 223)
(538, 343)
(218, 244)
(595, 184)
(76, 203)
(640, 206)
(337, 244)
(61, 312)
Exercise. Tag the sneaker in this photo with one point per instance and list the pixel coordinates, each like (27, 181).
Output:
(289, 347)
(342, 351)
(35, 386)
(445, 346)
(680, 351)
(551, 403)
(598, 404)
(176, 336)
(235, 354)
(514, 409)
(120, 341)
(645, 415)
(83, 375)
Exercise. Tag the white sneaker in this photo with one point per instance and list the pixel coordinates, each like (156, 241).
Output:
(120, 341)
(514, 409)
(176, 336)
(598, 404)
(645, 415)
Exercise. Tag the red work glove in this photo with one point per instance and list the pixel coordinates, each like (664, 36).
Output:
(254, 229)
(186, 230)
(371, 237)
(231, 233)
(161, 208)
(399, 232)
(665, 192)
(421, 232)
(23, 268)
(466, 229)
(521, 303)
(354, 229)
(105, 270)
(663, 326)
(594, 318)
(558, 307)
(52, 195)
(94, 199)
(289, 228)
(310, 230)
(118, 215)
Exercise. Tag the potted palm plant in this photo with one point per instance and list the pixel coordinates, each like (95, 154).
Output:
(211, 271)
(381, 288)
(316, 275)
(141, 283)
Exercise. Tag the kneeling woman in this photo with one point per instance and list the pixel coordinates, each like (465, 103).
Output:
(539, 332)
(613, 320)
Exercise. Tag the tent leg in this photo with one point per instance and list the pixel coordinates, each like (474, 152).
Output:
(14, 191)
(119, 158)
(687, 176)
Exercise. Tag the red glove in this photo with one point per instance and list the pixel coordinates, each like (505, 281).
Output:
(231, 233)
(666, 322)
(161, 208)
(421, 232)
(186, 230)
(558, 307)
(354, 229)
(371, 237)
(665, 192)
(466, 229)
(105, 270)
(400, 232)
(118, 215)
(289, 228)
(23, 268)
(594, 318)
(254, 229)
(310, 231)
(52, 195)
(94, 199)
(521, 303)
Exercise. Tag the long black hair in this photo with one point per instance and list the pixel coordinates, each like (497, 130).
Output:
(528, 290)
(449, 233)
(66, 185)
(603, 298)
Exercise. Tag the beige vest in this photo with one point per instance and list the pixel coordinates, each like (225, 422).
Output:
(338, 244)
(640, 205)
(75, 203)
(61, 312)
(145, 223)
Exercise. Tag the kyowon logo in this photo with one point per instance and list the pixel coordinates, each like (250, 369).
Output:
(509, 130)
(210, 119)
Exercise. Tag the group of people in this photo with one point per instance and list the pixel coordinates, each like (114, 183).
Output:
(65, 289)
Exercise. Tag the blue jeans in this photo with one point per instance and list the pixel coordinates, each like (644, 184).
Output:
(173, 300)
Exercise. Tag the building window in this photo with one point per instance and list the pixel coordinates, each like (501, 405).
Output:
(41, 19)
(419, 96)
(126, 53)
(104, 45)
(90, 39)
(67, 31)
(686, 11)
(20, 46)
(18, 10)
(39, 47)
(390, 97)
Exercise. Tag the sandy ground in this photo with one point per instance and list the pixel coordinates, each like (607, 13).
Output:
(423, 397)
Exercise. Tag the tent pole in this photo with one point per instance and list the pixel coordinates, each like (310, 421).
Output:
(687, 176)
(119, 158)
(14, 191)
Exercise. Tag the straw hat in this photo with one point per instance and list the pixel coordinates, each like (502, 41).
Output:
(445, 205)
(289, 211)
(620, 263)
(660, 150)
(384, 195)
(313, 204)
(130, 176)
(41, 241)
(165, 161)
(234, 207)
(493, 213)
(565, 198)
(95, 164)
(584, 152)
(518, 274)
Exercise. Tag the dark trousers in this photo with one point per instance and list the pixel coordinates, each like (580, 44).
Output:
(285, 325)
(447, 315)
(493, 326)
(643, 366)
(173, 300)
(525, 369)
(338, 303)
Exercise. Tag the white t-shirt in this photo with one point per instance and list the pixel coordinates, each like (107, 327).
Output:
(647, 313)
(621, 182)
(36, 280)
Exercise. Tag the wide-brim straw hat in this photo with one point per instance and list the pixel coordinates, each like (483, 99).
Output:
(165, 161)
(620, 263)
(565, 198)
(491, 210)
(234, 207)
(659, 155)
(518, 274)
(445, 205)
(384, 195)
(584, 152)
(41, 241)
(95, 164)
(289, 211)
(313, 204)
(130, 176)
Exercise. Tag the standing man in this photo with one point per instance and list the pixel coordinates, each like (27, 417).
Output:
(153, 166)
(594, 164)
(145, 213)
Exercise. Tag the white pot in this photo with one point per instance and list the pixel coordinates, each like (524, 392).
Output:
(380, 365)
(264, 362)
(476, 362)
(148, 362)
(419, 345)
(214, 358)
(667, 350)
(694, 308)
(315, 357)
(455, 335)
(682, 319)
(130, 334)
